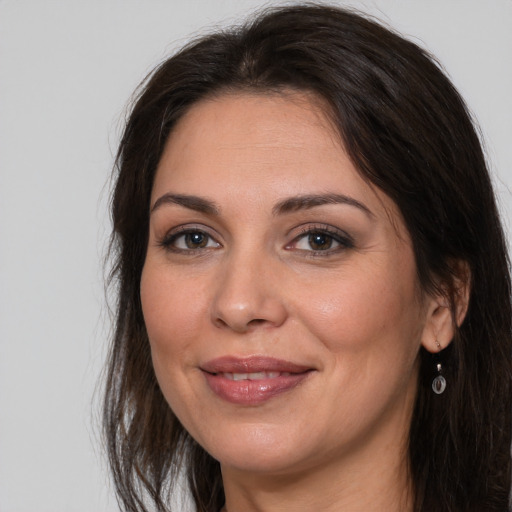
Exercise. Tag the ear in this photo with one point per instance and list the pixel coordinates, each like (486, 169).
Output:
(442, 316)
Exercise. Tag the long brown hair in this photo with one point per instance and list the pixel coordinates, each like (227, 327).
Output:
(408, 132)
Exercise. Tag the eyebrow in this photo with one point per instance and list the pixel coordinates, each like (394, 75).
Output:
(305, 202)
(196, 203)
(290, 204)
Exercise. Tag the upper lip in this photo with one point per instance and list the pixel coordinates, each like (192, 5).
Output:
(252, 364)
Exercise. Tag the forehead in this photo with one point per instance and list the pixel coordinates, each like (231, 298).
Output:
(287, 121)
(252, 132)
(258, 148)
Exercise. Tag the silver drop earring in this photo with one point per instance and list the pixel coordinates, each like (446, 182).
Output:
(439, 382)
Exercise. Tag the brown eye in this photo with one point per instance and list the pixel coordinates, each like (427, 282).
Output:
(196, 240)
(320, 241)
(189, 240)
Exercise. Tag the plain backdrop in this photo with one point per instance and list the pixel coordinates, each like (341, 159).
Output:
(67, 69)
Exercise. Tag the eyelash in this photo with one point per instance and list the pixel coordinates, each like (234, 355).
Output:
(344, 240)
(169, 241)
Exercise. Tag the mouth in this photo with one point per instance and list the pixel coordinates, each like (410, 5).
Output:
(254, 375)
(253, 380)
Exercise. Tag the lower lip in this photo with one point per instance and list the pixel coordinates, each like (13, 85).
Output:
(252, 392)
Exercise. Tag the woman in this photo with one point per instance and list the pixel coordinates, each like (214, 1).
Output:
(314, 297)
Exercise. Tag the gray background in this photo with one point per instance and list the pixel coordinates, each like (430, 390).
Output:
(67, 69)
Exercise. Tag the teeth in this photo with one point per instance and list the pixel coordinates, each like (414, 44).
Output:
(254, 375)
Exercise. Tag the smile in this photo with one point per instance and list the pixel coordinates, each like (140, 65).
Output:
(254, 376)
(254, 380)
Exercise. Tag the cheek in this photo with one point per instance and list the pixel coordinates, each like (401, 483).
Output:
(369, 326)
(367, 310)
(172, 311)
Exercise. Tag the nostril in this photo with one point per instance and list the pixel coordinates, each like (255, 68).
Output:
(256, 321)
(240, 327)
(220, 323)
(248, 312)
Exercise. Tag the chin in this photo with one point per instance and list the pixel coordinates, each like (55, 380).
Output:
(269, 449)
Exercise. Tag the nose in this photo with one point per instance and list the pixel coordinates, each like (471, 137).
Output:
(248, 295)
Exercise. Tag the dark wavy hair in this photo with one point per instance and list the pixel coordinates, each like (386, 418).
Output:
(408, 132)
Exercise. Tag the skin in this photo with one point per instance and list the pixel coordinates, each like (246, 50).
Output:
(353, 310)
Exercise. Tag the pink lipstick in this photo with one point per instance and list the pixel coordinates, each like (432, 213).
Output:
(252, 380)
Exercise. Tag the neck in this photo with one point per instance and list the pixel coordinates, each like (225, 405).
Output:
(368, 482)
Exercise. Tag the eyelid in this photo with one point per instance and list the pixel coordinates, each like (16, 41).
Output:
(340, 236)
(173, 234)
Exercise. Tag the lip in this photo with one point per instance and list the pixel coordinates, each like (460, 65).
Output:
(252, 392)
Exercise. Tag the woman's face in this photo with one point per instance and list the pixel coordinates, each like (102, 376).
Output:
(279, 289)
